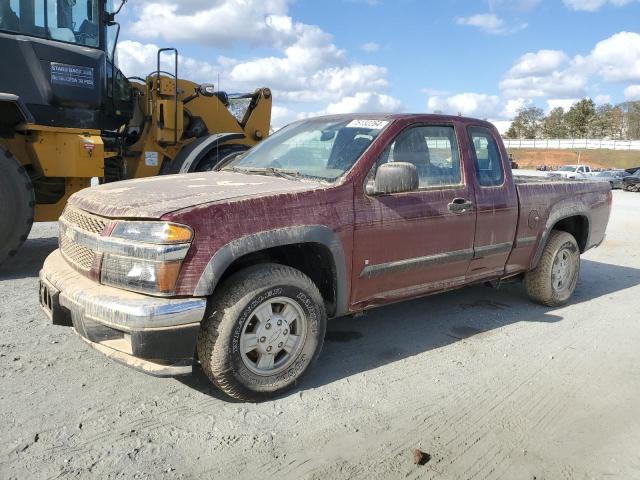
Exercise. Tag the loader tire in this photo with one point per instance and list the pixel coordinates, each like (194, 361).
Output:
(554, 279)
(223, 155)
(264, 327)
(17, 204)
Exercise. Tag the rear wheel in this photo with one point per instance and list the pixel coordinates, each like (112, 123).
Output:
(554, 279)
(265, 326)
(17, 204)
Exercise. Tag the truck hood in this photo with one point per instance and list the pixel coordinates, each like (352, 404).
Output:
(157, 196)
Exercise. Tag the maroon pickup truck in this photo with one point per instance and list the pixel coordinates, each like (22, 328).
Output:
(240, 268)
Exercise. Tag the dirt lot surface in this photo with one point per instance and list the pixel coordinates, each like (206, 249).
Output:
(486, 383)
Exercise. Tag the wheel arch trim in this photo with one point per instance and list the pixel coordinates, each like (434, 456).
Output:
(563, 211)
(260, 241)
(189, 157)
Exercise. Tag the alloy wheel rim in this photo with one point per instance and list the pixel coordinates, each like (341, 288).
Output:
(273, 335)
(562, 271)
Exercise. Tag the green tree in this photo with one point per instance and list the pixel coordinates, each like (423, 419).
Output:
(580, 117)
(526, 124)
(554, 126)
(631, 120)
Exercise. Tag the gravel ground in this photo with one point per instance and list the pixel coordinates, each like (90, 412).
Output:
(486, 383)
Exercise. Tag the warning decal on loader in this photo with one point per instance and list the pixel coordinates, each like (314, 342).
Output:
(71, 75)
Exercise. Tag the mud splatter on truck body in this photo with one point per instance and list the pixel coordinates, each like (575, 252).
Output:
(363, 247)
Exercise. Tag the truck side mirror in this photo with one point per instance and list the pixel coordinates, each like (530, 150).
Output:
(395, 177)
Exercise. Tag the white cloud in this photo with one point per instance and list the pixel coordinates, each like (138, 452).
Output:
(565, 103)
(541, 62)
(615, 59)
(489, 23)
(370, 47)
(469, 104)
(215, 23)
(557, 83)
(593, 5)
(551, 74)
(365, 102)
(513, 105)
(501, 125)
(632, 92)
(309, 71)
(138, 59)
(552, 77)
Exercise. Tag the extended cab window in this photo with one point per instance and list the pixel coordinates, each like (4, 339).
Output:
(487, 157)
(432, 149)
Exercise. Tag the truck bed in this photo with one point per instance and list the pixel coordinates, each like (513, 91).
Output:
(543, 201)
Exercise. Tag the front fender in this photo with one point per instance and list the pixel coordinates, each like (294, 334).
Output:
(256, 242)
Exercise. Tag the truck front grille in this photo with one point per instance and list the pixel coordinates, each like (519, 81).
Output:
(76, 254)
(84, 221)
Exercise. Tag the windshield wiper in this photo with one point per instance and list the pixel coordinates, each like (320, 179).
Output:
(276, 172)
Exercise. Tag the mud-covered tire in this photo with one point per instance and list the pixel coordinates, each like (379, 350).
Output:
(232, 312)
(544, 284)
(17, 205)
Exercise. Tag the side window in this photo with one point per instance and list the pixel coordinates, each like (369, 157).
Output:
(487, 157)
(432, 149)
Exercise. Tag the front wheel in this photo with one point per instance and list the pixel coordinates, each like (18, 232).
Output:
(264, 327)
(554, 279)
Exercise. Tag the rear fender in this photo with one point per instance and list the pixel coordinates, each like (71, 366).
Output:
(560, 211)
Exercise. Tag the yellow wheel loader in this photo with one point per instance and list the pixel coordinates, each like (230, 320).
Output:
(68, 114)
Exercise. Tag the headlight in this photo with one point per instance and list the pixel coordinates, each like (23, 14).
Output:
(144, 276)
(150, 259)
(153, 232)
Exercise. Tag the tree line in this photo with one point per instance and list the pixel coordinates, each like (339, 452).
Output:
(583, 120)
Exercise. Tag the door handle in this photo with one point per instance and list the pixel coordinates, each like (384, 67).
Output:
(460, 205)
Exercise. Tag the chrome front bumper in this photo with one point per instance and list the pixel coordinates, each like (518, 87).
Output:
(156, 335)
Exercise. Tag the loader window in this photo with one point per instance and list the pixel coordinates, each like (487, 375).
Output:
(69, 21)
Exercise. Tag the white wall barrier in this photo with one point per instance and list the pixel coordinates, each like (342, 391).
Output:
(573, 144)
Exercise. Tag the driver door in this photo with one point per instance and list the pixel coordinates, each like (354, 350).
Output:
(415, 242)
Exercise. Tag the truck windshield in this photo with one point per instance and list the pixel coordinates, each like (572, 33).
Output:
(319, 148)
(69, 21)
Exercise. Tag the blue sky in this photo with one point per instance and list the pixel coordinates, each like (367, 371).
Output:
(480, 58)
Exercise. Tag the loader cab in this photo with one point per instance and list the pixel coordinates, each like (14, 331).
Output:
(59, 59)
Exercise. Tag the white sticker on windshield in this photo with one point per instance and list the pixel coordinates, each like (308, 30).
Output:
(364, 123)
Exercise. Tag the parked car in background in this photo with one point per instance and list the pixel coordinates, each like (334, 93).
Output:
(614, 177)
(632, 182)
(571, 171)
